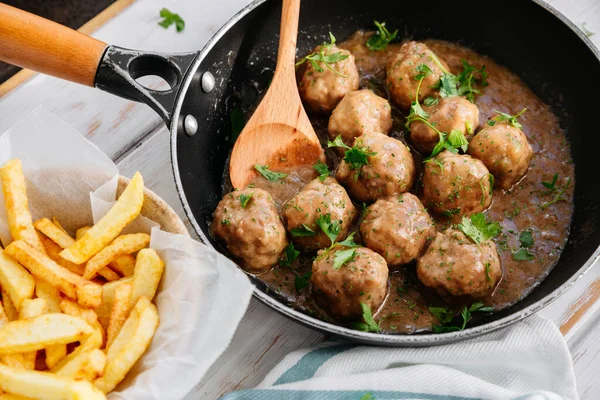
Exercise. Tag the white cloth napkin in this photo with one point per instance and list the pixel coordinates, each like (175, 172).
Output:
(527, 361)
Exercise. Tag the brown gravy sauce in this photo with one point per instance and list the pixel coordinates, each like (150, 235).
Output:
(406, 307)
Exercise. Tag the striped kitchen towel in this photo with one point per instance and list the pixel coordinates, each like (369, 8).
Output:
(527, 361)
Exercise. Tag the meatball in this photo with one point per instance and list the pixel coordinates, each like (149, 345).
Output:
(451, 113)
(358, 113)
(456, 185)
(453, 265)
(403, 67)
(505, 151)
(248, 223)
(322, 91)
(362, 279)
(398, 228)
(315, 200)
(390, 169)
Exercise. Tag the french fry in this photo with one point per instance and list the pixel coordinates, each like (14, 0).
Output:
(87, 314)
(118, 315)
(125, 244)
(109, 274)
(88, 294)
(81, 231)
(124, 265)
(59, 225)
(54, 233)
(88, 365)
(125, 210)
(91, 343)
(129, 345)
(9, 396)
(17, 204)
(44, 290)
(9, 308)
(12, 360)
(47, 386)
(15, 279)
(148, 271)
(31, 308)
(40, 332)
(108, 296)
(53, 250)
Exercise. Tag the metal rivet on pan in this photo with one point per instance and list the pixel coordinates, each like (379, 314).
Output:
(208, 82)
(190, 125)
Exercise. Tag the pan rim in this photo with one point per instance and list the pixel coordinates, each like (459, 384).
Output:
(400, 340)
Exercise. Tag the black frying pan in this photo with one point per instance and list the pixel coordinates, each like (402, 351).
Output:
(529, 37)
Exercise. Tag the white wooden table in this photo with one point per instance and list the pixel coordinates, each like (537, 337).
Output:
(136, 139)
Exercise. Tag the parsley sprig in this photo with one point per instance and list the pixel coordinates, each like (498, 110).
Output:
(322, 169)
(478, 229)
(303, 231)
(356, 157)
(551, 186)
(341, 257)
(462, 84)
(301, 281)
(502, 117)
(289, 256)
(369, 324)
(523, 253)
(169, 18)
(559, 196)
(450, 322)
(380, 40)
(268, 174)
(329, 227)
(327, 59)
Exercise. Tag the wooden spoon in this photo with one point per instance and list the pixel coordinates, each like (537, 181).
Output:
(279, 133)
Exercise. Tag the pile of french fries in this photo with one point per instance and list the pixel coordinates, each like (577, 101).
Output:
(76, 313)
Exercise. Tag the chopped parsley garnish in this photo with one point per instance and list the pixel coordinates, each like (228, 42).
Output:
(450, 322)
(559, 195)
(468, 78)
(523, 255)
(586, 31)
(478, 229)
(327, 59)
(330, 228)
(245, 199)
(356, 157)
(552, 184)
(502, 117)
(369, 324)
(302, 231)
(341, 257)
(322, 169)
(169, 18)
(526, 239)
(290, 255)
(225, 222)
(380, 40)
(301, 281)
(268, 174)
(237, 123)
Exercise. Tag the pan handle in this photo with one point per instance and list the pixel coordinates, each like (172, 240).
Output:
(44, 46)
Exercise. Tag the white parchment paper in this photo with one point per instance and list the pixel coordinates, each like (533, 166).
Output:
(203, 295)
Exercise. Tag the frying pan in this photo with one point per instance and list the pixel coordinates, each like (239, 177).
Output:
(529, 37)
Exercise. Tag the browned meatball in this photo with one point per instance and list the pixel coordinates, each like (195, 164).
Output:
(453, 265)
(254, 233)
(362, 279)
(315, 200)
(358, 113)
(402, 69)
(390, 170)
(322, 91)
(456, 185)
(505, 151)
(398, 228)
(451, 113)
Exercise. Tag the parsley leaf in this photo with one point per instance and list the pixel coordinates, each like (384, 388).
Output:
(380, 40)
(341, 257)
(446, 317)
(467, 79)
(526, 239)
(478, 229)
(559, 195)
(523, 255)
(369, 324)
(447, 85)
(290, 255)
(431, 101)
(302, 231)
(423, 71)
(349, 241)
(170, 18)
(301, 281)
(245, 199)
(327, 59)
(322, 169)
(356, 157)
(551, 185)
(443, 314)
(270, 175)
(502, 117)
(236, 119)
(331, 228)
(457, 140)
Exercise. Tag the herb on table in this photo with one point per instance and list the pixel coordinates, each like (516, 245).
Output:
(245, 199)
(322, 169)
(356, 157)
(468, 78)
(327, 59)
(446, 317)
(290, 255)
(559, 195)
(268, 174)
(341, 257)
(329, 227)
(301, 281)
(302, 231)
(586, 31)
(502, 117)
(380, 40)
(170, 18)
(236, 119)
(369, 324)
(478, 229)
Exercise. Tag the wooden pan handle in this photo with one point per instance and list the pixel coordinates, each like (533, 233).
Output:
(44, 46)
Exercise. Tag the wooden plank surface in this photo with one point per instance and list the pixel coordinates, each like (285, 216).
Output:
(136, 139)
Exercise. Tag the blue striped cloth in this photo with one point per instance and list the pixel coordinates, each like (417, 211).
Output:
(528, 361)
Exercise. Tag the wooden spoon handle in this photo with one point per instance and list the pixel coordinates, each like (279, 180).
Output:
(44, 46)
(286, 57)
